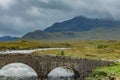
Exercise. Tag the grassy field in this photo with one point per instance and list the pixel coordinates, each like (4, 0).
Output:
(106, 73)
(95, 49)
(101, 50)
(98, 50)
(21, 45)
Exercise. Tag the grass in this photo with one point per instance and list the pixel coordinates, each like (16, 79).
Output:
(106, 73)
(20, 45)
(101, 50)
(95, 49)
(98, 50)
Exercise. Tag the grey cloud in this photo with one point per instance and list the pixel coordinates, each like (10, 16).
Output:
(22, 16)
(52, 4)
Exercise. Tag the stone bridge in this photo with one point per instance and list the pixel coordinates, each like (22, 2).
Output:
(44, 64)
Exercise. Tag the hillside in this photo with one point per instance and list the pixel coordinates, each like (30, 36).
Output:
(7, 38)
(38, 34)
(78, 28)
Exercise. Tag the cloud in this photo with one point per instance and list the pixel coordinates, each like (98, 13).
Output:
(6, 3)
(18, 17)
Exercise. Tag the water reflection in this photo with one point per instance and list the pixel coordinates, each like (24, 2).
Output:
(60, 78)
(61, 73)
(34, 78)
(17, 78)
(19, 71)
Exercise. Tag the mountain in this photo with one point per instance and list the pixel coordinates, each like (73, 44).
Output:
(38, 34)
(79, 28)
(80, 24)
(8, 38)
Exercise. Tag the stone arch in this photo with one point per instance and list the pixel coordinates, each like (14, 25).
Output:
(76, 74)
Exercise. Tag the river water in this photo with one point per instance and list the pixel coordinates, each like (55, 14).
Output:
(5, 78)
(29, 51)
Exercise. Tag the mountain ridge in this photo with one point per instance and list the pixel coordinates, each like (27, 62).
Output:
(78, 28)
(81, 24)
(8, 38)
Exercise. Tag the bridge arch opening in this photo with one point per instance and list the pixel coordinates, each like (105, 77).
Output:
(62, 73)
(17, 71)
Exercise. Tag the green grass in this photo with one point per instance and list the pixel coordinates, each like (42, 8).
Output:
(100, 50)
(95, 49)
(106, 73)
(30, 45)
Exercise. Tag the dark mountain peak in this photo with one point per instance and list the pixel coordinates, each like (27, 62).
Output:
(76, 19)
(81, 23)
(79, 18)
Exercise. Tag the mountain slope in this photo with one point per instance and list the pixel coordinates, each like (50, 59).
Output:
(81, 24)
(8, 38)
(78, 28)
(38, 34)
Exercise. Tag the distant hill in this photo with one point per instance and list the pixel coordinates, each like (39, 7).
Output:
(38, 34)
(79, 28)
(7, 38)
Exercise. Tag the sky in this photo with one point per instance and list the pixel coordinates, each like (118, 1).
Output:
(18, 17)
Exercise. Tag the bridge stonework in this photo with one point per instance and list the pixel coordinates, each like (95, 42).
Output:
(44, 64)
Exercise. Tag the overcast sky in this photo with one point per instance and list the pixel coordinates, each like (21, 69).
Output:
(18, 17)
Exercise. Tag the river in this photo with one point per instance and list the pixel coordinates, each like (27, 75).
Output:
(29, 51)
